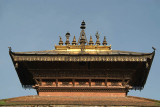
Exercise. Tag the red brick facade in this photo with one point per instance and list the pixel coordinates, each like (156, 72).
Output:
(103, 94)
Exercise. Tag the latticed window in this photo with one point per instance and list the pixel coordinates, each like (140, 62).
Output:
(49, 83)
(82, 83)
(65, 83)
(114, 84)
(98, 83)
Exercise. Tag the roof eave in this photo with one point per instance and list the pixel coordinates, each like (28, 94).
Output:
(148, 70)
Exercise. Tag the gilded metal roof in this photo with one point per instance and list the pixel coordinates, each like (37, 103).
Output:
(77, 56)
(89, 52)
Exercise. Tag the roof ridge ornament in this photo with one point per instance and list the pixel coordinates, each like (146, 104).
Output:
(67, 38)
(104, 41)
(91, 41)
(153, 48)
(97, 36)
(60, 41)
(82, 37)
(10, 49)
(82, 44)
(83, 25)
(74, 40)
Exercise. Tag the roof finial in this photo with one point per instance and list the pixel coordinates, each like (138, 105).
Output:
(67, 38)
(60, 41)
(98, 41)
(82, 37)
(104, 41)
(10, 49)
(91, 41)
(83, 25)
(153, 48)
(74, 40)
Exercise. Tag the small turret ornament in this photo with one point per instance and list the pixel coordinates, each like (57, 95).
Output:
(83, 25)
(98, 41)
(104, 41)
(74, 41)
(67, 38)
(60, 41)
(10, 49)
(82, 39)
(91, 41)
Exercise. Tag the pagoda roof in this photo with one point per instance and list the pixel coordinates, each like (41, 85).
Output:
(20, 58)
(93, 52)
(82, 51)
(85, 56)
(70, 55)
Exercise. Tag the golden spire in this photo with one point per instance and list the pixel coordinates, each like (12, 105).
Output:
(67, 38)
(91, 41)
(83, 25)
(74, 40)
(82, 38)
(98, 41)
(60, 41)
(104, 41)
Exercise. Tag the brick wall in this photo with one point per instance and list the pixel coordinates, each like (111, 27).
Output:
(82, 94)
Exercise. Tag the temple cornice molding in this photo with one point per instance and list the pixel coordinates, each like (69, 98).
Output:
(79, 58)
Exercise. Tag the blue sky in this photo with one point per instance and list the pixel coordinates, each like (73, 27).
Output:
(28, 25)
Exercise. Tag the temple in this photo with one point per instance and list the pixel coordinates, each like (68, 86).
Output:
(82, 68)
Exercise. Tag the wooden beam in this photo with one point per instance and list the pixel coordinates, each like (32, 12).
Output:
(73, 81)
(57, 82)
(127, 82)
(90, 82)
(123, 82)
(40, 82)
(81, 87)
(113, 69)
(117, 78)
(106, 82)
(36, 81)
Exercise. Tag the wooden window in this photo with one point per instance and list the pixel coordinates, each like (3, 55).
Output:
(98, 82)
(114, 82)
(82, 82)
(65, 82)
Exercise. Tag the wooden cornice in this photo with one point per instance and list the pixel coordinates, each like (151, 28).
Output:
(116, 78)
(79, 58)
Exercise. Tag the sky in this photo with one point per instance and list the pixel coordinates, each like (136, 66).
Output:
(35, 25)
